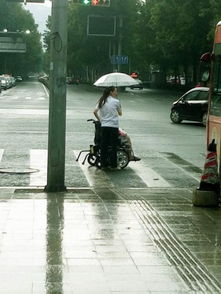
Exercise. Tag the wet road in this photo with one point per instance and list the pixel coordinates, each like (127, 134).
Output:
(172, 155)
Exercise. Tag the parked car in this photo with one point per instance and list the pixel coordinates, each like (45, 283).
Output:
(18, 79)
(191, 106)
(12, 81)
(5, 82)
(72, 81)
(44, 79)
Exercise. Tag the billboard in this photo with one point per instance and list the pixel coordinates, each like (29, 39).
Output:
(99, 25)
(12, 44)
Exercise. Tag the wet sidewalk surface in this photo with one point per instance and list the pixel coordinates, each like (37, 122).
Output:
(108, 241)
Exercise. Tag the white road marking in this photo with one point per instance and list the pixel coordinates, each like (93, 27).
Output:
(38, 160)
(182, 169)
(24, 111)
(46, 90)
(148, 175)
(27, 98)
(1, 154)
(94, 176)
(41, 98)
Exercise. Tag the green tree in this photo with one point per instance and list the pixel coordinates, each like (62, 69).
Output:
(89, 55)
(162, 36)
(175, 34)
(14, 17)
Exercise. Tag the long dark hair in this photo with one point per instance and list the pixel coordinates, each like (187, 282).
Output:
(103, 98)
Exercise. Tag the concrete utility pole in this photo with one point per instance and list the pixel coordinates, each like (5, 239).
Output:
(57, 104)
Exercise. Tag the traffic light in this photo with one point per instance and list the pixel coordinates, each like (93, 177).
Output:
(104, 3)
(28, 1)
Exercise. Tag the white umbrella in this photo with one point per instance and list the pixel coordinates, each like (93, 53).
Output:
(116, 79)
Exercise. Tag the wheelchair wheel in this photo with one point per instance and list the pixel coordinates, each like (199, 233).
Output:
(98, 162)
(122, 159)
(92, 159)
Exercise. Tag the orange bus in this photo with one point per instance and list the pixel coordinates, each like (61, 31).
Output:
(214, 108)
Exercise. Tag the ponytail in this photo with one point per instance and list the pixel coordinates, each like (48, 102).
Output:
(105, 95)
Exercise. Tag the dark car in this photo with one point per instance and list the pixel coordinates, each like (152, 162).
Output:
(191, 106)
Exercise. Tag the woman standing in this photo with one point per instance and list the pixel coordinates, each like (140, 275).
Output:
(109, 109)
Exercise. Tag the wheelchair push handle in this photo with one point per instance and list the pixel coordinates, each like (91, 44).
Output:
(94, 121)
(91, 119)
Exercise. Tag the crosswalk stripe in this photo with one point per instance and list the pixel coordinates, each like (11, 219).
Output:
(99, 178)
(38, 160)
(148, 175)
(1, 154)
(189, 174)
(94, 176)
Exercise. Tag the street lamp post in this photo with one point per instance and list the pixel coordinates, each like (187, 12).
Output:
(57, 104)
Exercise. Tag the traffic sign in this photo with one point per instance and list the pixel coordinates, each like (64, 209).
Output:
(12, 44)
(98, 25)
(119, 59)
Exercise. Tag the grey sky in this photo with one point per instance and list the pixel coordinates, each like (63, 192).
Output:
(40, 13)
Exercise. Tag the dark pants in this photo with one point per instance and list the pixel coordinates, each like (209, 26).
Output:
(109, 138)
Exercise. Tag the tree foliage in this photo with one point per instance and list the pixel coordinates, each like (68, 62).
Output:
(179, 32)
(14, 17)
(157, 35)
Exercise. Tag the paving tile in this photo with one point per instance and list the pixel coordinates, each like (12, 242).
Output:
(127, 285)
(86, 243)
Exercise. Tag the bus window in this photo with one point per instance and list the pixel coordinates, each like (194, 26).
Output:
(215, 108)
(204, 69)
(217, 75)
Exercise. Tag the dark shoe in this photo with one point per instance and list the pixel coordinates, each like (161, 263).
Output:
(136, 158)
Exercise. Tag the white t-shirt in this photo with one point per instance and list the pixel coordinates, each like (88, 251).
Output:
(109, 112)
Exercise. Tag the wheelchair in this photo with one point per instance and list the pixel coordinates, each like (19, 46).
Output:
(93, 154)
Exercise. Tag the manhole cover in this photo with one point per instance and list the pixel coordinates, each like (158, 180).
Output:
(18, 170)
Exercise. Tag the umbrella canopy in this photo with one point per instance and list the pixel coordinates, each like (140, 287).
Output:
(116, 79)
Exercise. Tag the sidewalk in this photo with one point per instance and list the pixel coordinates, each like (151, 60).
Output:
(108, 241)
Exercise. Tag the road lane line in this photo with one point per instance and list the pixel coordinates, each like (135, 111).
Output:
(46, 90)
(24, 111)
(148, 175)
(95, 177)
(1, 154)
(38, 160)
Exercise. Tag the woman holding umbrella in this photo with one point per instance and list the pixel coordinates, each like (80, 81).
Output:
(109, 109)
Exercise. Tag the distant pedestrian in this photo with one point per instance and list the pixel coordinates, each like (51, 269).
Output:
(107, 111)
